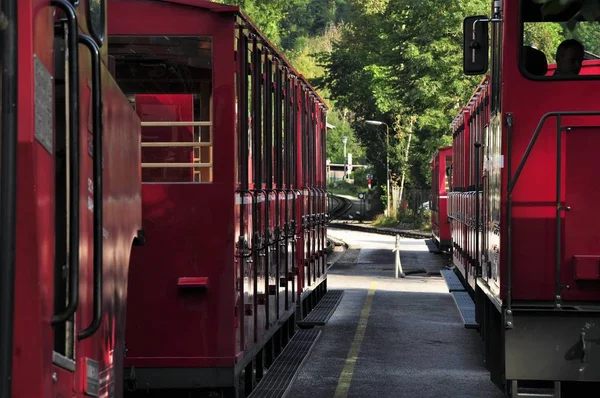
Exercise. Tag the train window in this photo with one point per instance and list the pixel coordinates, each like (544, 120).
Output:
(97, 19)
(447, 176)
(169, 81)
(560, 45)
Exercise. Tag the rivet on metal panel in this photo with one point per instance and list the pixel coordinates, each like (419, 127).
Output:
(54, 377)
(509, 323)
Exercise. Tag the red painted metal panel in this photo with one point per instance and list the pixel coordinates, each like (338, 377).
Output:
(581, 251)
(178, 245)
(534, 196)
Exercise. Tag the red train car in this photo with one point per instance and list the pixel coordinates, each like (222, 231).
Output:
(234, 204)
(441, 164)
(465, 199)
(524, 205)
(70, 202)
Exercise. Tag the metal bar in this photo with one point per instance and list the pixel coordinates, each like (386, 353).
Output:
(242, 94)
(268, 120)
(286, 133)
(477, 215)
(294, 137)
(173, 165)
(509, 124)
(257, 113)
(512, 181)
(8, 193)
(177, 124)
(73, 78)
(243, 101)
(557, 251)
(176, 144)
(278, 126)
(98, 235)
(534, 138)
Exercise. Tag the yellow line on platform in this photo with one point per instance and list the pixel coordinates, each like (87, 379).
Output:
(346, 376)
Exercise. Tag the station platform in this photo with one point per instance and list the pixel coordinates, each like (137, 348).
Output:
(392, 337)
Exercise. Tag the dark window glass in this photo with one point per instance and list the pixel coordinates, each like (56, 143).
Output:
(558, 45)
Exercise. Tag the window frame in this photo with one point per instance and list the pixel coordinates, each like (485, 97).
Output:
(520, 63)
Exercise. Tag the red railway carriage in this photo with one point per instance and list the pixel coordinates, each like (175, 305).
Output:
(233, 161)
(524, 205)
(76, 182)
(441, 165)
(466, 205)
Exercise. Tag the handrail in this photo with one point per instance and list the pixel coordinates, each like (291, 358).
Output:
(477, 203)
(176, 165)
(176, 144)
(512, 181)
(177, 124)
(8, 193)
(73, 76)
(97, 184)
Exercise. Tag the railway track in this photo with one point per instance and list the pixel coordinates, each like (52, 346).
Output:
(340, 206)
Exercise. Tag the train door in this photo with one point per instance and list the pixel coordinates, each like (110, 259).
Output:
(581, 258)
(77, 161)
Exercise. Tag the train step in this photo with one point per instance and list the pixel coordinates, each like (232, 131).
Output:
(323, 311)
(466, 307)
(284, 370)
(521, 391)
(452, 281)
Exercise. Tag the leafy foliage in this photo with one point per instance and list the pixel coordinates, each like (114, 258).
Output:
(400, 62)
(396, 61)
(589, 9)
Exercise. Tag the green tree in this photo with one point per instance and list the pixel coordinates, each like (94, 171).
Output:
(401, 62)
(267, 14)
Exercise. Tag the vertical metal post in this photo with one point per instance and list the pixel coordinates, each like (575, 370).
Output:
(8, 193)
(398, 264)
(509, 131)
(559, 208)
(243, 168)
(477, 215)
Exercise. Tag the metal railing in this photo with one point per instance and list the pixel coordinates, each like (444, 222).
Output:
(512, 181)
(196, 145)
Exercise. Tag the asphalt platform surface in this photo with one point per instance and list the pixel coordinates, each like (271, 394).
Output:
(392, 337)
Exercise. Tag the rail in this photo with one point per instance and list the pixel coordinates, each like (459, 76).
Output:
(341, 207)
(196, 146)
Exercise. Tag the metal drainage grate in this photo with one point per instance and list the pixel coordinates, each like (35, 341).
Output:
(452, 281)
(283, 371)
(323, 311)
(466, 307)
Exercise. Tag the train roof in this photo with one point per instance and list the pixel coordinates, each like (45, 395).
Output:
(236, 10)
(437, 152)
